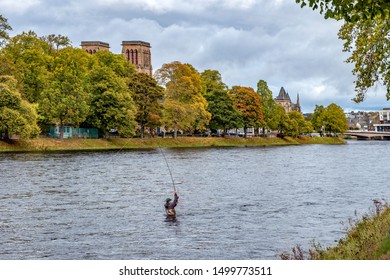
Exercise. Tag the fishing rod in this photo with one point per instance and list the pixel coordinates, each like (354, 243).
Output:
(169, 169)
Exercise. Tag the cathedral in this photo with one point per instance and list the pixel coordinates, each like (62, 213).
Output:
(135, 52)
(284, 100)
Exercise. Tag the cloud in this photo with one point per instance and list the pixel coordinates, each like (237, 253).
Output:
(13, 7)
(245, 40)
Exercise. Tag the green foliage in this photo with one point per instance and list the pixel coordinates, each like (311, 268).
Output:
(332, 118)
(147, 95)
(111, 104)
(350, 10)
(115, 62)
(268, 106)
(367, 239)
(28, 60)
(4, 27)
(369, 44)
(66, 100)
(317, 118)
(212, 81)
(57, 41)
(224, 115)
(17, 116)
(366, 35)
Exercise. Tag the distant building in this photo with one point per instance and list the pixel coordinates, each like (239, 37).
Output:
(93, 46)
(136, 52)
(384, 115)
(285, 101)
(362, 120)
(384, 121)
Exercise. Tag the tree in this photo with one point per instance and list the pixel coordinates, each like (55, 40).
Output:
(268, 106)
(350, 10)
(183, 88)
(212, 81)
(303, 125)
(366, 35)
(369, 44)
(317, 118)
(177, 115)
(224, 115)
(330, 119)
(334, 119)
(111, 103)
(29, 62)
(148, 96)
(17, 116)
(4, 27)
(248, 102)
(57, 41)
(66, 100)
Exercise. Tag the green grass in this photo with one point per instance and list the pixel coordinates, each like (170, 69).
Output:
(366, 239)
(49, 144)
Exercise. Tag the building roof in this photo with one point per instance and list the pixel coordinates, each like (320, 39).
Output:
(138, 43)
(283, 95)
(95, 43)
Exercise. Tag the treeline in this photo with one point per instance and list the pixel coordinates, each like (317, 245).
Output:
(46, 81)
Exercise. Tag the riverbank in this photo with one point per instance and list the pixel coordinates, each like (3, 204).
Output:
(53, 145)
(367, 238)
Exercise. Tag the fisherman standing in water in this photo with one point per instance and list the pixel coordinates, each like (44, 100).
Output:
(170, 207)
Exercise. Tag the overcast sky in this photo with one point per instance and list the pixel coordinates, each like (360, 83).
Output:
(245, 40)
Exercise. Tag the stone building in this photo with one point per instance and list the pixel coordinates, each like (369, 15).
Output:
(136, 52)
(94, 46)
(285, 101)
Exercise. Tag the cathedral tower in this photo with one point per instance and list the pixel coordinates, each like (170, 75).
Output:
(94, 46)
(138, 53)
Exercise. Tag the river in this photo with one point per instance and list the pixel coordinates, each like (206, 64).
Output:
(235, 203)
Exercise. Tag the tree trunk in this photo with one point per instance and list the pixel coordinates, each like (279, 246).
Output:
(142, 130)
(61, 130)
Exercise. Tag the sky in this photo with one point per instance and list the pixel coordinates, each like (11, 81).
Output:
(245, 40)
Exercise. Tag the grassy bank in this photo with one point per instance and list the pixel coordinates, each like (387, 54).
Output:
(49, 144)
(367, 238)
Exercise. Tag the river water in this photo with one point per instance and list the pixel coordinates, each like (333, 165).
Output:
(235, 203)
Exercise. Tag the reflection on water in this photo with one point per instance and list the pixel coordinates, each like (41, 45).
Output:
(235, 203)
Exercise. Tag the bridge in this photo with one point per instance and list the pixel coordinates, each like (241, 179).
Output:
(368, 135)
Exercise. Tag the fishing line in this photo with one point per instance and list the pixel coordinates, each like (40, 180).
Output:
(169, 169)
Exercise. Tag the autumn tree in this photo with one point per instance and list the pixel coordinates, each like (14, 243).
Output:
(148, 97)
(17, 116)
(248, 102)
(185, 108)
(366, 36)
